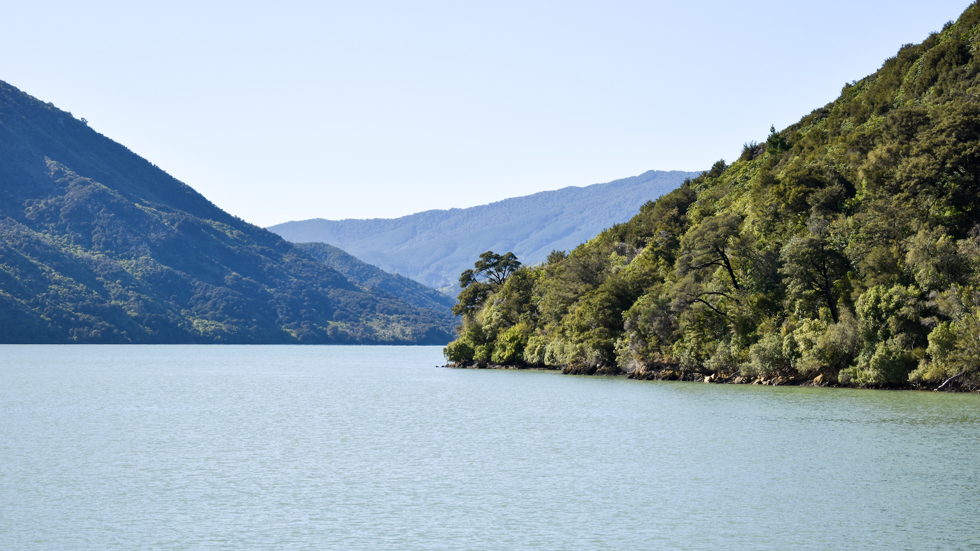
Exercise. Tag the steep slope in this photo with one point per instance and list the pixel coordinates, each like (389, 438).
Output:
(366, 275)
(99, 245)
(843, 250)
(433, 247)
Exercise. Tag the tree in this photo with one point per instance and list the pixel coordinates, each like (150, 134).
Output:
(813, 266)
(708, 270)
(711, 243)
(776, 143)
(556, 256)
(493, 267)
(471, 298)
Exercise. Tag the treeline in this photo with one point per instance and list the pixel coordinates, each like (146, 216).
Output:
(846, 249)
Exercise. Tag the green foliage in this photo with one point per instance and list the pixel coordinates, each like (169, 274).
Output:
(954, 348)
(717, 169)
(554, 257)
(750, 150)
(942, 350)
(473, 343)
(510, 345)
(650, 329)
(813, 269)
(775, 143)
(372, 277)
(847, 246)
(820, 345)
(489, 272)
(458, 351)
(935, 260)
(493, 267)
(471, 298)
(886, 313)
(767, 357)
(483, 352)
(713, 245)
(888, 363)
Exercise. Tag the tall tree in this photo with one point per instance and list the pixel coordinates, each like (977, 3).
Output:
(711, 243)
(812, 265)
(493, 267)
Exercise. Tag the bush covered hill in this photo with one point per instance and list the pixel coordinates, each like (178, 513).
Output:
(845, 249)
(372, 277)
(97, 245)
(433, 247)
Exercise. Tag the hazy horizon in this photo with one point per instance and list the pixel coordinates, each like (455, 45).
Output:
(501, 200)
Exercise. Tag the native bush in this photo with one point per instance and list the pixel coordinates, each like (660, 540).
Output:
(766, 357)
(888, 363)
(510, 345)
(820, 345)
(846, 244)
(458, 351)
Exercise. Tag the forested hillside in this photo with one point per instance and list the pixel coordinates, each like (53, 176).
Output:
(844, 249)
(370, 276)
(433, 247)
(97, 245)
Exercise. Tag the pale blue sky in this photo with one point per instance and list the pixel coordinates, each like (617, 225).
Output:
(292, 110)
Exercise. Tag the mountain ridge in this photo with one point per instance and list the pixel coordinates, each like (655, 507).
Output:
(434, 246)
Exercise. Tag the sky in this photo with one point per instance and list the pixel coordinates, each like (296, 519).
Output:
(375, 109)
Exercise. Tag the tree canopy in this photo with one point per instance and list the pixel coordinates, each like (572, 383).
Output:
(493, 267)
(844, 249)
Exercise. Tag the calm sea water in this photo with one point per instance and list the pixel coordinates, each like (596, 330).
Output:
(223, 447)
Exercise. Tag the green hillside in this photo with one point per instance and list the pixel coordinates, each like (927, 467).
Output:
(98, 245)
(845, 249)
(370, 276)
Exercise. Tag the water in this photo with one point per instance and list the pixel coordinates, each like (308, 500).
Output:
(224, 447)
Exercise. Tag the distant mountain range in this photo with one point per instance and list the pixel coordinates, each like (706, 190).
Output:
(434, 247)
(97, 245)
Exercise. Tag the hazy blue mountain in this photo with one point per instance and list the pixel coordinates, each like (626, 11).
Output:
(99, 245)
(373, 277)
(434, 247)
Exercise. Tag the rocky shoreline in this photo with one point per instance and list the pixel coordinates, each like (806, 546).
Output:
(965, 382)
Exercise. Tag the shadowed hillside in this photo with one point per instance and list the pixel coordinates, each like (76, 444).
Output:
(98, 245)
(373, 277)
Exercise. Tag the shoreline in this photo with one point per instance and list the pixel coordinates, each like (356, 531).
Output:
(966, 385)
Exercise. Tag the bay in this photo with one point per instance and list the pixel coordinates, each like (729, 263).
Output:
(233, 447)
